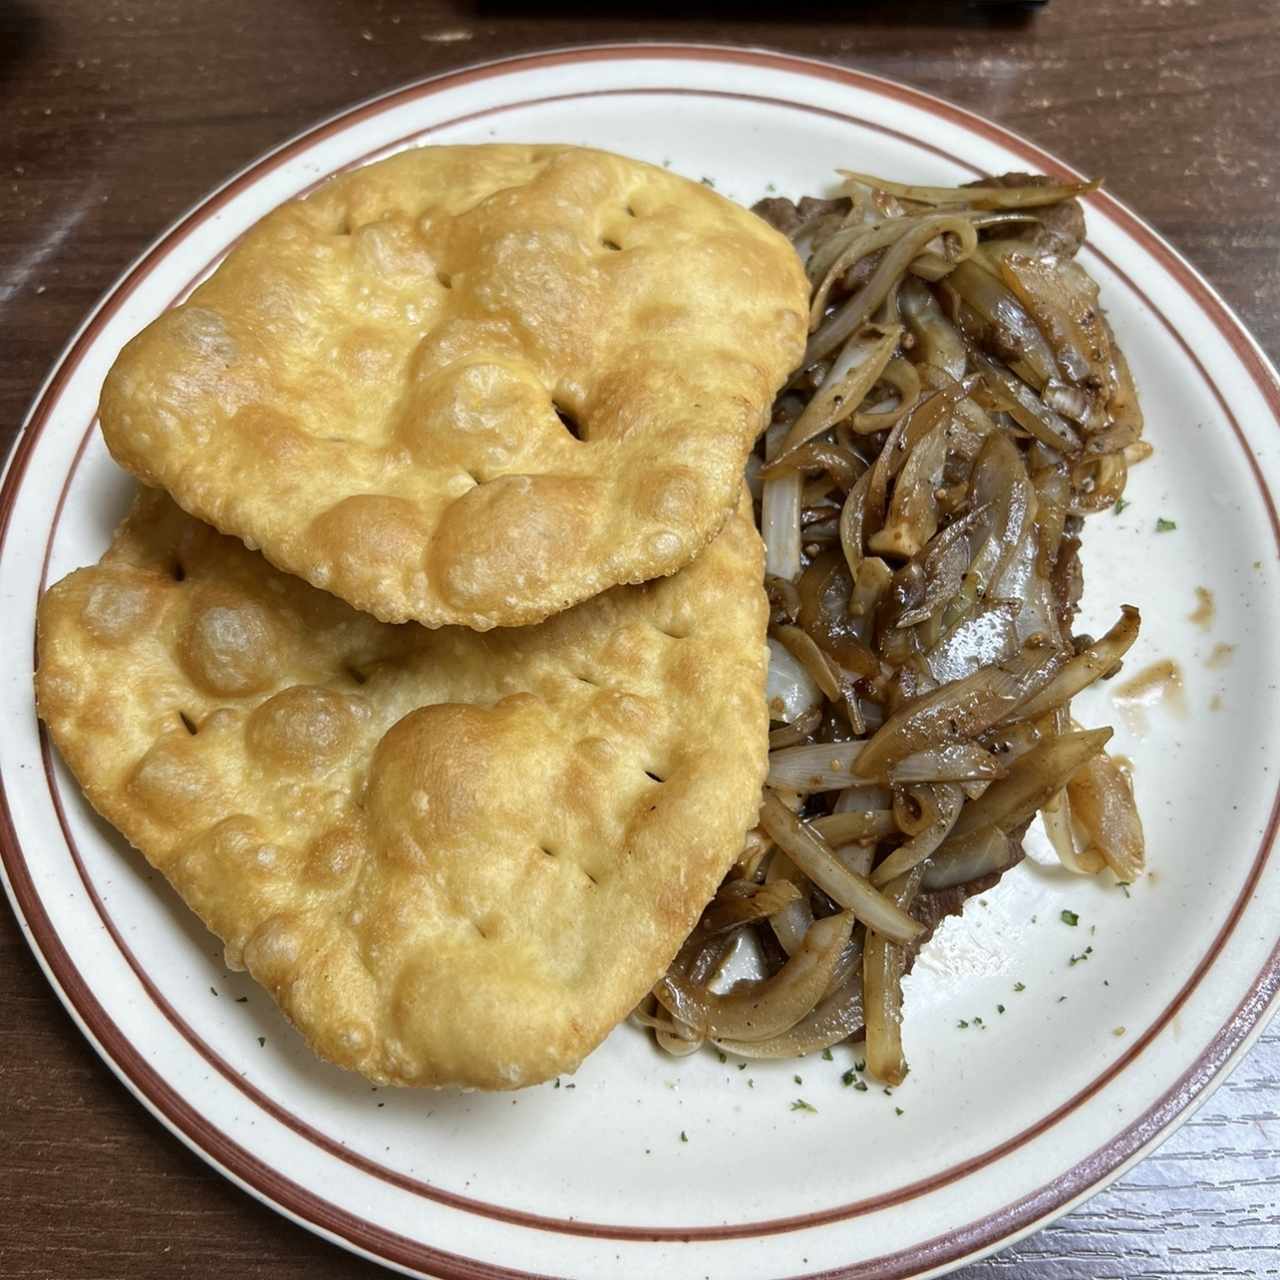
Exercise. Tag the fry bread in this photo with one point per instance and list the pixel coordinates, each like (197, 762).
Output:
(452, 858)
(471, 385)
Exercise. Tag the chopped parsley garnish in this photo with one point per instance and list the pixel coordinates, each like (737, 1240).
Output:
(1124, 884)
(1084, 955)
(801, 1105)
(899, 1111)
(684, 1137)
(999, 1008)
(1165, 526)
(708, 182)
(262, 1040)
(1120, 506)
(1070, 917)
(826, 1055)
(859, 1066)
(861, 1086)
(962, 1024)
(1019, 986)
(242, 999)
(1061, 999)
(848, 1077)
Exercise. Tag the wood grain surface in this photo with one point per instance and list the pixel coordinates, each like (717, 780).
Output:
(118, 114)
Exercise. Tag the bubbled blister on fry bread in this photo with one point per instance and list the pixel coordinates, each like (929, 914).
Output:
(471, 385)
(453, 858)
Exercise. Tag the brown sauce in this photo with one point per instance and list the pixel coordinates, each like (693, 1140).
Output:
(1203, 613)
(1220, 656)
(1159, 684)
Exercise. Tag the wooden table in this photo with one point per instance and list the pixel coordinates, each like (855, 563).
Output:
(118, 114)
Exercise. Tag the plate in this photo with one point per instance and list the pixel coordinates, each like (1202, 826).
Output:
(1035, 1079)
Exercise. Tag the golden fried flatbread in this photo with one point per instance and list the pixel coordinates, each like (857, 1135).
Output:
(451, 857)
(471, 385)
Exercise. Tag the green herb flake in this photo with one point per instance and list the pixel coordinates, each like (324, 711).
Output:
(1069, 917)
(557, 1083)
(242, 999)
(721, 1056)
(1084, 955)
(899, 1111)
(213, 991)
(571, 1086)
(751, 1084)
(826, 1055)
(742, 1066)
(1124, 885)
(1165, 526)
(861, 1086)
(848, 1077)
(708, 182)
(684, 1137)
(262, 1041)
(860, 1066)
(797, 1080)
(1019, 986)
(1061, 999)
(962, 1024)
(771, 186)
(999, 1008)
(1120, 505)
(801, 1105)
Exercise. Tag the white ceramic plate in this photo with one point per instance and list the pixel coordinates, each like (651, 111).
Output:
(643, 1166)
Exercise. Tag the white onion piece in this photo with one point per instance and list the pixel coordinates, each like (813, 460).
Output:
(780, 514)
(824, 766)
(953, 762)
(815, 857)
(791, 690)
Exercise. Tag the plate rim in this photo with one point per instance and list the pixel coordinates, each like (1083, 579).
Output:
(1156, 1123)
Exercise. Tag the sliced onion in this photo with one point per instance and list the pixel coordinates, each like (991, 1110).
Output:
(883, 964)
(1102, 801)
(985, 637)
(802, 647)
(791, 691)
(1027, 409)
(957, 711)
(1011, 328)
(985, 852)
(1031, 782)
(853, 314)
(835, 1019)
(923, 843)
(955, 762)
(937, 342)
(1081, 671)
(851, 826)
(795, 919)
(1026, 197)
(780, 514)
(852, 374)
(730, 909)
(823, 766)
(761, 1009)
(815, 857)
